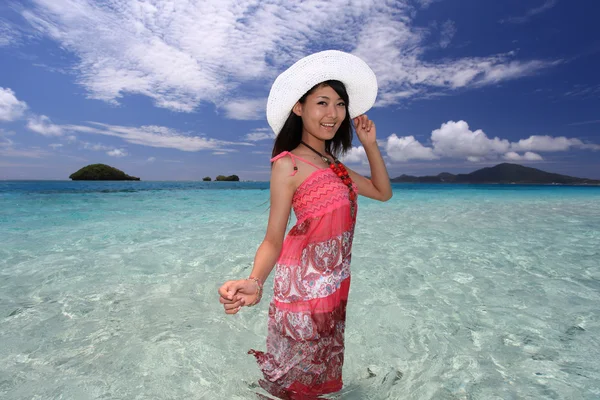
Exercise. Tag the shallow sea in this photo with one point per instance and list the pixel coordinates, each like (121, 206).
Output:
(108, 290)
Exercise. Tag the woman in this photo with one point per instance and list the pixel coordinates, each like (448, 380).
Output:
(309, 109)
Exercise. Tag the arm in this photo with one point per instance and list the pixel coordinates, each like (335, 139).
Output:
(235, 294)
(282, 191)
(378, 187)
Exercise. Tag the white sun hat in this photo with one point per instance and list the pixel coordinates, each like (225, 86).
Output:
(293, 83)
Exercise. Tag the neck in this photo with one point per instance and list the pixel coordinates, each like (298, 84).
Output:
(314, 142)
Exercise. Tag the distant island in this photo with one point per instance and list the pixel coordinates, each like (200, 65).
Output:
(101, 172)
(501, 173)
(230, 178)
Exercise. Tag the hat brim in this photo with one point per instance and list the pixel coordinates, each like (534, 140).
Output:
(293, 83)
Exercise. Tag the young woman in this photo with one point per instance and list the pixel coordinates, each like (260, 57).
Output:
(310, 107)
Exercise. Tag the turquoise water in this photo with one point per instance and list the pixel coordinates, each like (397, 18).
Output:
(109, 291)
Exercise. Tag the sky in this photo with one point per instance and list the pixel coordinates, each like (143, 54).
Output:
(177, 89)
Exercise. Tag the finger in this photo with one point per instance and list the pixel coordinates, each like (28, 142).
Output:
(223, 300)
(234, 311)
(224, 290)
(231, 306)
(240, 286)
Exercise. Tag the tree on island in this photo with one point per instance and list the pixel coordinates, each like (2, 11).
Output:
(101, 172)
(206, 179)
(230, 178)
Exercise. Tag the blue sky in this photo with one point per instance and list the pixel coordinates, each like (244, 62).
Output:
(176, 90)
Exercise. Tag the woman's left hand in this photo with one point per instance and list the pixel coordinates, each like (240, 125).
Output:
(365, 130)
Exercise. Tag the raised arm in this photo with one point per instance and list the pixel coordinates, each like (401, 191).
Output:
(378, 187)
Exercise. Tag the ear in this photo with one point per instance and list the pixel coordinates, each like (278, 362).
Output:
(297, 109)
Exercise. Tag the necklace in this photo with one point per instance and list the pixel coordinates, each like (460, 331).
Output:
(338, 168)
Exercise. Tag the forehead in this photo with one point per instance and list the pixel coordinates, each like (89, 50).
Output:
(325, 91)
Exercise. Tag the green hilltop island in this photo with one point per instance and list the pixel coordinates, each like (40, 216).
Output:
(101, 172)
(505, 173)
(230, 178)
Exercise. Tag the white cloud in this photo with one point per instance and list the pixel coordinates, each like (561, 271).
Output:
(245, 109)
(260, 134)
(528, 156)
(584, 91)
(42, 125)
(546, 143)
(11, 108)
(10, 149)
(56, 145)
(117, 153)
(9, 34)
(454, 139)
(426, 3)
(355, 155)
(447, 33)
(154, 136)
(182, 53)
(151, 159)
(548, 4)
(95, 146)
(407, 148)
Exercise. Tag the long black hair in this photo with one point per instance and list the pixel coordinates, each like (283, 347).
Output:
(291, 134)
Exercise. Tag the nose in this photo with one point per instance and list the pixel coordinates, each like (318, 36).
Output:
(333, 111)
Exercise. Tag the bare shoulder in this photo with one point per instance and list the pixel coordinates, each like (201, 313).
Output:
(282, 174)
(283, 165)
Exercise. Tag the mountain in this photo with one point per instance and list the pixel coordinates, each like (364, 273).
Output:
(101, 172)
(501, 173)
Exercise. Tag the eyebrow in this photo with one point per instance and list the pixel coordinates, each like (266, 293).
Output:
(325, 97)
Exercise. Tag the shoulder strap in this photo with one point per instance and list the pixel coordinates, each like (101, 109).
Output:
(305, 161)
(293, 157)
(283, 154)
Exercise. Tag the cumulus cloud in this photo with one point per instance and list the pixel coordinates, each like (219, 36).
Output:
(260, 134)
(528, 156)
(455, 139)
(11, 108)
(42, 125)
(160, 49)
(407, 148)
(355, 155)
(117, 153)
(546, 143)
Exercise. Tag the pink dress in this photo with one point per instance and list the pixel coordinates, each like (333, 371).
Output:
(305, 342)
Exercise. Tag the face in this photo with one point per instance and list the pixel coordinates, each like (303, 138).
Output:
(322, 113)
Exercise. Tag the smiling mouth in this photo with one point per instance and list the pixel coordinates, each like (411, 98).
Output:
(328, 125)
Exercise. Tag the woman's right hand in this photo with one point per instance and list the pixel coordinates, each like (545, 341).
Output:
(236, 294)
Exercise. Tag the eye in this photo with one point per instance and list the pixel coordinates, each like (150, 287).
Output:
(322, 103)
(341, 104)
